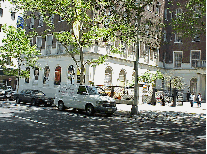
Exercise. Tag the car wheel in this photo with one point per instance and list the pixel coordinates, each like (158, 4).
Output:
(89, 110)
(33, 102)
(61, 106)
(17, 100)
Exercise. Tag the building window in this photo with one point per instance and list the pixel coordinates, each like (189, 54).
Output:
(196, 37)
(0, 27)
(39, 42)
(1, 12)
(31, 23)
(48, 44)
(27, 79)
(122, 78)
(157, 11)
(71, 74)
(46, 75)
(178, 12)
(59, 48)
(13, 15)
(178, 38)
(193, 85)
(36, 73)
(197, 11)
(61, 18)
(177, 58)
(57, 75)
(108, 77)
(195, 58)
(165, 36)
(52, 18)
(165, 14)
(40, 21)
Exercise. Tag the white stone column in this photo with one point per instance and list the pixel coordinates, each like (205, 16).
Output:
(198, 83)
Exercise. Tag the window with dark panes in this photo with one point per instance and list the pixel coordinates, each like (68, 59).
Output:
(13, 15)
(81, 90)
(1, 12)
(177, 59)
(195, 58)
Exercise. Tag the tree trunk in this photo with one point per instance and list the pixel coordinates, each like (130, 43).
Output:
(82, 67)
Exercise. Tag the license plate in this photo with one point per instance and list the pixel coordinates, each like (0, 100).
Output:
(109, 109)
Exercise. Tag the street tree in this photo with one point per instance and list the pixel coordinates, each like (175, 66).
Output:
(16, 52)
(174, 83)
(191, 20)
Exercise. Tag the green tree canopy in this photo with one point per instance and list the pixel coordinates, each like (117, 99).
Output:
(17, 51)
(192, 19)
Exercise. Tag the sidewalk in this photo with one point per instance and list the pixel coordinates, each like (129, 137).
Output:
(185, 108)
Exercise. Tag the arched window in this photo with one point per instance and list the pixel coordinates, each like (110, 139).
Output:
(71, 74)
(108, 77)
(46, 75)
(57, 75)
(27, 79)
(122, 78)
(193, 85)
(36, 73)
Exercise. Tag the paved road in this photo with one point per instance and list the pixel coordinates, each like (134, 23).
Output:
(47, 130)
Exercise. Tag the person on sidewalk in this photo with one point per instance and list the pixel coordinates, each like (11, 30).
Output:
(188, 96)
(162, 100)
(191, 100)
(199, 99)
(194, 98)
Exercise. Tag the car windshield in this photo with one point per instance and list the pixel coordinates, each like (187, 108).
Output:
(92, 90)
(38, 92)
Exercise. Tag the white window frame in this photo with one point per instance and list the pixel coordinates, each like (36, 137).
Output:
(60, 46)
(48, 47)
(177, 39)
(52, 18)
(196, 11)
(178, 12)
(174, 58)
(39, 45)
(40, 21)
(195, 59)
(31, 26)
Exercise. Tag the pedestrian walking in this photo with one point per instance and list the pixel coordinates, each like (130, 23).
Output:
(162, 100)
(188, 96)
(191, 100)
(194, 98)
(199, 99)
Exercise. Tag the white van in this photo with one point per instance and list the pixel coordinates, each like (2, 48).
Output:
(84, 98)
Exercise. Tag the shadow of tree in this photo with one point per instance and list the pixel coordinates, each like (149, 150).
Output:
(52, 131)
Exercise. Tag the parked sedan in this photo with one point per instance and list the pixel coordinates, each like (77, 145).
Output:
(35, 97)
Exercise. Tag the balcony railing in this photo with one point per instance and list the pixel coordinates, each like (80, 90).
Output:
(199, 63)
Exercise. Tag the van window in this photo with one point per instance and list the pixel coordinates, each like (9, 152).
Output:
(81, 90)
(92, 90)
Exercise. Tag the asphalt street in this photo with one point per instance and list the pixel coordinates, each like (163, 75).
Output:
(28, 129)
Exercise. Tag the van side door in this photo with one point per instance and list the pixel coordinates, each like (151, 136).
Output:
(82, 93)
